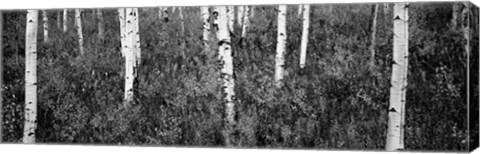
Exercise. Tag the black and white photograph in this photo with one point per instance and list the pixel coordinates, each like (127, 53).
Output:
(372, 76)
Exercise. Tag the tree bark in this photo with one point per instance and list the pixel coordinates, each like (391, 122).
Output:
(100, 25)
(225, 56)
(455, 12)
(396, 112)
(230, 18)
(206, 28)
(121, 19)
(78, 23)
(59, 19)
(373, 35)
(304, 43)
(281, 43)
(466, 26)
(45, 26)
(246, 22)
(65, 19)
(182, 23)
(31, 77)
(252, 12)
(132, 54)
(240, 10)
(1, 76)
(300, 7)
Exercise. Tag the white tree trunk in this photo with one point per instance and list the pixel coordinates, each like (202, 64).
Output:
(281, 43)
(373, 35)
(31, 77)
(182, 23)
(299, 13)
(59, 21)
(78, 23)
(173, 9)
(246, 22)
(65, 15)
(121, 19)
(230, 18)
(396, 110)
(45, 26)
(132, 54)
(160, 12)
(304, 43)
(100, 25)
(206, 27)
(225, 55)
(240, 13)
(252, 12)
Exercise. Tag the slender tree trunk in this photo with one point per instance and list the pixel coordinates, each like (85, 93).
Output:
(132, 54)
(173, 9)
(101, 29)
(1, 76)
(78, 23)
(299, 13)
(206, 28)
(246, 22)
(252, 12)
(31, 77)
(225, 55)
(182, 23)
(240, 13)
(455, 12)
(59, 19)
(281, 43)
(123, 36)
(373, 35)
(466, 26)
(304, 43)
(45, 26)
(160, 12)
(65, 19)
(396, 112)
(231, 18)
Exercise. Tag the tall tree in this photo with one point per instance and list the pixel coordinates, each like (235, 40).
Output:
(31, 77)
(466, 26)
(206, 27)
(160, 12)
(299, 12)
(182, 22)
(240, 10)
(230, 18)
(59, 19)
(78, 24)
(455, 12)
(252, 12)
(226, 58)
(281, 43)
(132, 54)
(246, 22)
(1, 76)
(45, 26)
(373, 34)
(396, 110)
(304, 43)
(101, 24)
(121, 19)
(65, 19)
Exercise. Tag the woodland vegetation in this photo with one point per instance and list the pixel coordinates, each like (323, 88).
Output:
(336, 98)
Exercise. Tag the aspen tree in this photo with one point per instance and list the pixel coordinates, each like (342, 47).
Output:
(206, 28)
(299, 13)
(396, 110)
(78, 24)
(246, 22)
(59, 21)
(225, 56)
(373, 35)
(121, 19)
(1, 76)
(65, 15)
(45, 26)
(304, 43)
(173, 9)
(132, 54)
(100, 25)
(160, 12)
(230, 18)
(252, 12)
(182, 23)
(281, 43)
(31, 77)
(240, 10)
